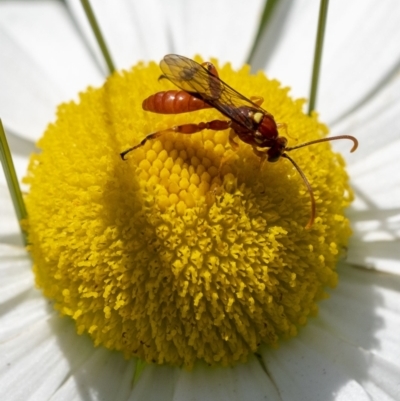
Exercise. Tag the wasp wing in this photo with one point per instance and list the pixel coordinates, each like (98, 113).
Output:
(199, 82)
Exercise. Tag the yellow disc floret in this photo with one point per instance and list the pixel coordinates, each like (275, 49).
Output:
(188, 250)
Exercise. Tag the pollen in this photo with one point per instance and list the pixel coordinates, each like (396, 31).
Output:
(189, 250)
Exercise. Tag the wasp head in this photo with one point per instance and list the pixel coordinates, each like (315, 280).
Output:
(277, 149)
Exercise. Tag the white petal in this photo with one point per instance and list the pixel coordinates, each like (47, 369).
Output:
(22, 306)
(132, 30)
(9, 228)
(375, 124)
(41, 357)
(365, 310)
(15, 273)
(351, 350)
(105, 376)
(375, 176)
(286, 48)
(357, 57)
(253, 383)
(384, 377)
(317, 366)
(373, 169)
(304, 371)
(223, 29)
(246, 381)
(145, 388)
(379, 255)
(351, 70)
(41, 348)
(151, 29)
(43, 62)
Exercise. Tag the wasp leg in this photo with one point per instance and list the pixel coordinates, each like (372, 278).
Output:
(284, 127)
(232, 136)
(148, 137)
(261, 155)
(258, 100)
(214, 84)
(188, 129)
(234, 146)
(210, 67)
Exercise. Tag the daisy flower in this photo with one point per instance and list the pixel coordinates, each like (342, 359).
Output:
(171, 199)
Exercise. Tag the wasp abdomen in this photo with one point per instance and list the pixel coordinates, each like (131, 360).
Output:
(173, 102)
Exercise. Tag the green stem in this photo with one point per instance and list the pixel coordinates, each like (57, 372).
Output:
(269, 7)
(319, 44)
(97, 33)
(12, 180)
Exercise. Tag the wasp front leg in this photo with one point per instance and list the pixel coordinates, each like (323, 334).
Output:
(261, 155)
(187, 129)
(234, 146)
(233, 135)
(283, 126)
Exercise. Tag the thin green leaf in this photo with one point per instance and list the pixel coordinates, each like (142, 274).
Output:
(11, 178)
(97, 33)
(319, 44)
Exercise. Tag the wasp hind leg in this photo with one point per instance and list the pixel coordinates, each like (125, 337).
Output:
(187, 129)
(148, 137)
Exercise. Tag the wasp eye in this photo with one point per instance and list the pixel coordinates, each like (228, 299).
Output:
(273, 159)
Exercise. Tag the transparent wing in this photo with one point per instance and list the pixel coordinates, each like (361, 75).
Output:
(199, 82)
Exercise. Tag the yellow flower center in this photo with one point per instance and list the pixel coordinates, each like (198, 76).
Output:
(168, 256)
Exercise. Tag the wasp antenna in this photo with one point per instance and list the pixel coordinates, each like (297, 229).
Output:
(332, 138)
(310, 191)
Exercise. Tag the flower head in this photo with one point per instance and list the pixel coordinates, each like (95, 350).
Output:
(350, 351)
(188, 250)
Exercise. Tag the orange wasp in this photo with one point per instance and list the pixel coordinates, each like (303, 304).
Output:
(201, 89)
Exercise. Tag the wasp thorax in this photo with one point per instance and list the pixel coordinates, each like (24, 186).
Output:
(268, 127)
(257, 117)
